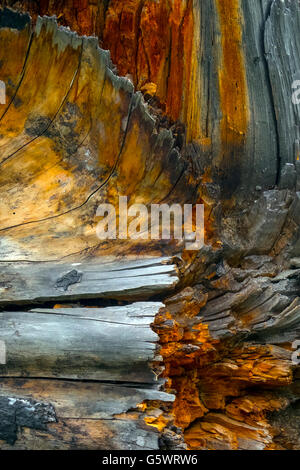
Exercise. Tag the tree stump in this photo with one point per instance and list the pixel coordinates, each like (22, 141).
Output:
(140, 343)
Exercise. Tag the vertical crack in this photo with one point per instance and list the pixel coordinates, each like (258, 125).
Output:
(266, 14)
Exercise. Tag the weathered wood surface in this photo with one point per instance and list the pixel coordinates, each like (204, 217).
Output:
(283, 57)
(83, 434)
(232, 336)
(81, 343)
(75, 415)
(136, 279)
(220, 128)
(81, 400)
(72, 136)
(223, 68)
(112, 349)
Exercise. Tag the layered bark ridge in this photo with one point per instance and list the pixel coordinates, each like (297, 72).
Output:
(220, 128)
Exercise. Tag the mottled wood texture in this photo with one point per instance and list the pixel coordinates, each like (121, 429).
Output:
(35, 282)
(212, 66)
(215, 123)
(81, 136)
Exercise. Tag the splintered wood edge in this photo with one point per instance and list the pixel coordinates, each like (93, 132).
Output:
(114, 346)
(109, 354)
(23, 283)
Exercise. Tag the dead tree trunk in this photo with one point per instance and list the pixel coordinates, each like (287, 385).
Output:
(141, 344)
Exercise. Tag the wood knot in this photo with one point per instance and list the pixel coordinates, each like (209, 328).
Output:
(72, 277)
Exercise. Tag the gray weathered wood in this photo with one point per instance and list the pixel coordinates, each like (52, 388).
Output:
(73, 399)
(50, 414)
(114, 344)
(31, 282)
(283, 57)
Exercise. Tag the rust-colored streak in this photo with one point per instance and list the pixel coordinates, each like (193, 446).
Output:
(175, 81)
(232, 75)
(150, 42)
(191, 109)
(84, 16)
(147, 42)
(154, 46)
(120, 35)
(165, 52)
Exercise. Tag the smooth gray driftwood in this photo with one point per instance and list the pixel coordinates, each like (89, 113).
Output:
(115, 344)
(31, 282)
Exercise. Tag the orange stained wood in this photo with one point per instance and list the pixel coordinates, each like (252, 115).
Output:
(205, 380)
(62, 171)
(175, 81)
(11, 65)
(154, 47)
(189, 67)
(151, 42)
(82, 142)
(159, 422)
(48, 75)
(120, 35)
(232, 75)
(84, 16)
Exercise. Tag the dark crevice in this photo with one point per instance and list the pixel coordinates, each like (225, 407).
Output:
(50, 304)
(138, 36)
(139, 385)
(266, 17)
(14, 20)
